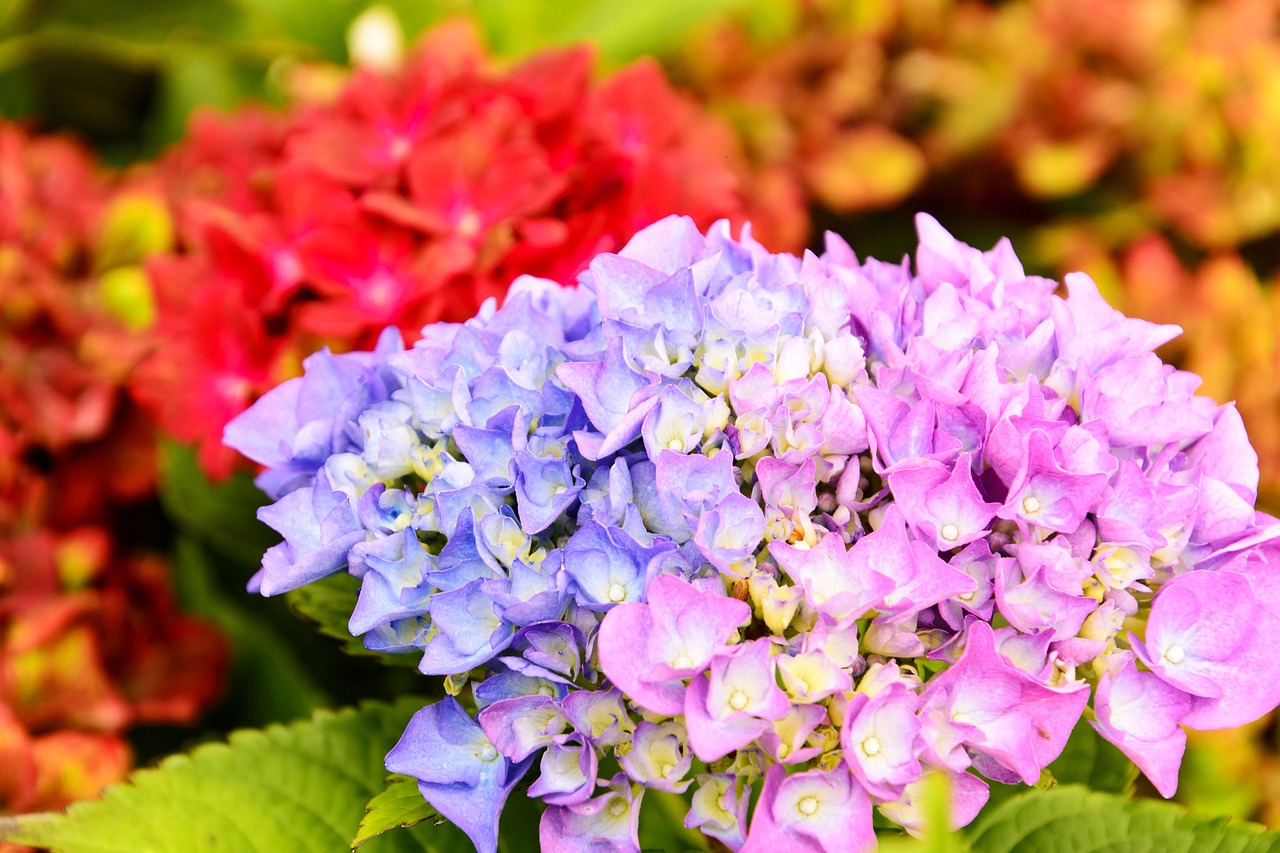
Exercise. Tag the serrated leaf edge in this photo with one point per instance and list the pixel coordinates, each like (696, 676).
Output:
(394, 779)
(16, 828)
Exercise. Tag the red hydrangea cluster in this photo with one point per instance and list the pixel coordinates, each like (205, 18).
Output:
(408, 200)
(90, 639)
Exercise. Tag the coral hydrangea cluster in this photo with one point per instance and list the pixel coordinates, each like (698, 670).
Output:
(410, 198)
(722, 517)
(91, 641)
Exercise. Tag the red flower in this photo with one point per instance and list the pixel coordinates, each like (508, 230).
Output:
(91, 641)
(409, 199)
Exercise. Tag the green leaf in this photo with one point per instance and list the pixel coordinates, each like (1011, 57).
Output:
(662, 824)
(1073, 819)
(1089, 760)
(281, 667)
(267, 681)
(400, 804)
(290, 788)
(222, 515)
(520, 818)
(328, 603)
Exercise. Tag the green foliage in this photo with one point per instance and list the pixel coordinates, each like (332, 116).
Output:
(145, 21)
(328, 603)
(281, 668)
(662, 824)
(938, 837)
(267, 681)
(128, 73)
(286, 789)
(118, 71)
(1090, 760)
(1073, 819)
(1220, 772)
(220, 545)
(400, 811)
(621, 31)
(399, 805)
(1087, 759)
(222, 516)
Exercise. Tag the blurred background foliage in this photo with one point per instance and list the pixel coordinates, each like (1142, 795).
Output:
(1134, 140)
(126, 74)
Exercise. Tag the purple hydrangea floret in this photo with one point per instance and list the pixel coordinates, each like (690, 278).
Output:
(780, 536)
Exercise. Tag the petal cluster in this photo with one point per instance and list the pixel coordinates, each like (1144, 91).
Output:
(865, 114)
(825, 523)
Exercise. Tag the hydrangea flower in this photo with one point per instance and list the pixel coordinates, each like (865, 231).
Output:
(728, 516)
(864, 114)
(409, 198)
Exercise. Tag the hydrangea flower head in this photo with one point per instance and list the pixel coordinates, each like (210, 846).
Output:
(825, 524)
